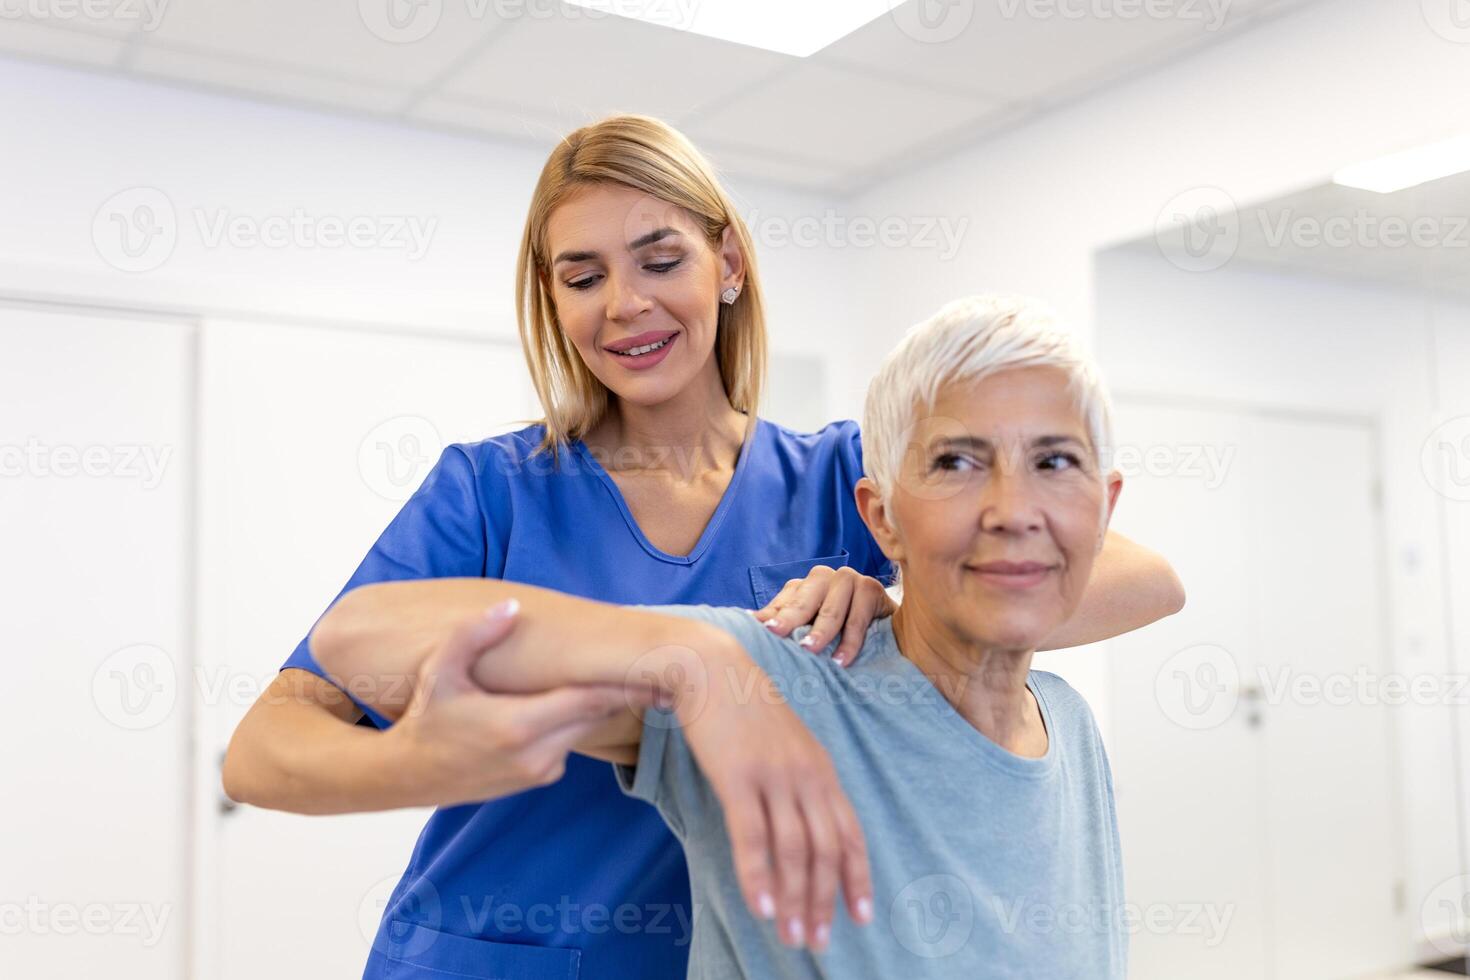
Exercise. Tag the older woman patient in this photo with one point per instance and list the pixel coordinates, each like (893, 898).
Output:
(988, 842)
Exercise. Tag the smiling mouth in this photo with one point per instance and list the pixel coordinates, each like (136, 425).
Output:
(645, 349)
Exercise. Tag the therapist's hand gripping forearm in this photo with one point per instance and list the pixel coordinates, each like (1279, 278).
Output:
(794, 835)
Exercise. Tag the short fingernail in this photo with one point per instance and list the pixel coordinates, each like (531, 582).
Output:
(767, 907)
(865, 910)
(824, 936)
(504, 609)
(797, 933)
(839, 658)
(773, 623)
(808, 641)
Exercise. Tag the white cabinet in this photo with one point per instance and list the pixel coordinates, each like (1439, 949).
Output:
(1252, 748)
(312, 440)
(96, 460)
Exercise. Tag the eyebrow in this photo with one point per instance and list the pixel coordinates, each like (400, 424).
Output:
(657, 235)
(979, 443)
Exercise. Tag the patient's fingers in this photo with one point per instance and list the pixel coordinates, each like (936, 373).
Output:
(750, 846)
(817, 808)
(792, 852)
(857, 877)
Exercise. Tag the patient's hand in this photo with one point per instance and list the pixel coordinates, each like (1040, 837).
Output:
(834, 601)
(793, 831)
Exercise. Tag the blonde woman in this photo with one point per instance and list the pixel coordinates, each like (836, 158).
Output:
(652, 481)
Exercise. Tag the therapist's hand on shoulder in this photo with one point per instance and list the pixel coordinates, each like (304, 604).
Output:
(794, 835)
(837, 602)
(461, 744)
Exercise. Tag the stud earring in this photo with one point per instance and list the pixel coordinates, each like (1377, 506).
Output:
(728, 296)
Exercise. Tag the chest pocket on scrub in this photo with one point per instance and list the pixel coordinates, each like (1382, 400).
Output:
(767, 580)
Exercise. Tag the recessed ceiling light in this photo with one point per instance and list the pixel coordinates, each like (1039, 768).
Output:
(1409, 168)
(795, 27)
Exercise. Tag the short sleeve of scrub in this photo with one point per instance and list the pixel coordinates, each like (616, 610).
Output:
(453, 525)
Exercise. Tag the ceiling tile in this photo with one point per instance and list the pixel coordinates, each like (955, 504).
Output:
(214, 71)
(351, 38)
(585, 66)
(34, 40)
(746, 163)
(838, 116)
(1025, 50)
(506, 121)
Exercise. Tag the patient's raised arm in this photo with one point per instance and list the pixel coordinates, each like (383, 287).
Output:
(794, 834)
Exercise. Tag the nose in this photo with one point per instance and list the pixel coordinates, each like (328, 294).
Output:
(1007, 506)
(624, 302)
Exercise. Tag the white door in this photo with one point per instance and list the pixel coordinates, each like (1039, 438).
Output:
(95, 482)
(314, 438)
(1255, 791)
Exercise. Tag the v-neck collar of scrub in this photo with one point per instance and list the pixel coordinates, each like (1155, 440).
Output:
(716, 519)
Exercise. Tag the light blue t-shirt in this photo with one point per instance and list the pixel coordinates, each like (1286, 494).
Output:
(985, 863)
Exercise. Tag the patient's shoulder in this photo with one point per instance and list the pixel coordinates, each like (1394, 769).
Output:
(776, 655)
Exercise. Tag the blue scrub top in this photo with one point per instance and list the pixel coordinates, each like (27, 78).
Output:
(577, 879)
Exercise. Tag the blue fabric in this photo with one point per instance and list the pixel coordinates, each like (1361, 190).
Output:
(578, 878)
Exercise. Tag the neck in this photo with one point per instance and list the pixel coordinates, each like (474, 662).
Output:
(986, 684)
(695, 431)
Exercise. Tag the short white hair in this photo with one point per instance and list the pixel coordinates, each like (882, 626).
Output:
(965, 341)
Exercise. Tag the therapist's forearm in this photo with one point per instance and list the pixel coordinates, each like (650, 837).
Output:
(1130, 587)
(374, 640)
(298, 750)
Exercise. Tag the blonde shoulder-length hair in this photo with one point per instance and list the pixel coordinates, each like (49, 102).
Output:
(648, 155)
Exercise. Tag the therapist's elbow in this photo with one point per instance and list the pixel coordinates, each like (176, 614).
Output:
(331, 637)
(1171, 597)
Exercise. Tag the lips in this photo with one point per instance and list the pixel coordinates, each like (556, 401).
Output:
(640, 340)
(1012, 567)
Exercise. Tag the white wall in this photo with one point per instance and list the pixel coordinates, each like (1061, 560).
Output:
(1266, 338)
(1275, 108)
(74, 141)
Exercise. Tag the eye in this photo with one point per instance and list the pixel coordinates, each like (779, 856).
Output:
(952, 463)
(663, 266)
(582, 283)
(1073, 462)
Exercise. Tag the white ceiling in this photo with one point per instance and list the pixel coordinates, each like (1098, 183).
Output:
(901, 90)
(1359, 235)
